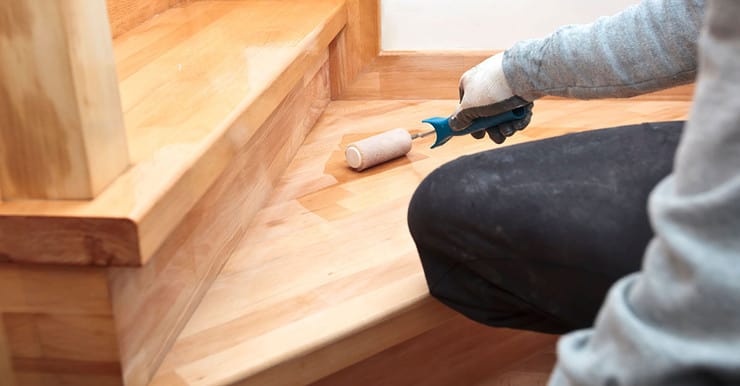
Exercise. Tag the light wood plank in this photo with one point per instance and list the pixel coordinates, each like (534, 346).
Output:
(84, 325)
(435, 75)
(69, 240)
(458, 352)
(57, 326)
(153, 303)
(197, 83)
(62, 134)
(330, 258)
(36, 339)
(313, 364)
(53, 290)
(356, 46)
(125, 15)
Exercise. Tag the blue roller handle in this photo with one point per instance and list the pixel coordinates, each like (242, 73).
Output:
(444, 132)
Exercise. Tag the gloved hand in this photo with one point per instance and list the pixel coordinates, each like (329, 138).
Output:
(484, 92)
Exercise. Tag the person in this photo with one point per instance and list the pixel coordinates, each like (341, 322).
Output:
(554, 235)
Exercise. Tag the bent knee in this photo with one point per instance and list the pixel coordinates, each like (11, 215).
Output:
(429, 206)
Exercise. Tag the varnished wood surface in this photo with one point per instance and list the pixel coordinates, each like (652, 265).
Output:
(412, 75)
(329, 257)
(153, 303)
(532, 371)
(304, 368)
(356, 46)
(57, 326)
(196, 83)
(106, 326)
(61, 126)
(458, 352)
(124, 15)
(435, 75)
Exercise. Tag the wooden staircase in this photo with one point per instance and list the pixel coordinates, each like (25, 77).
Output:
(237, 248)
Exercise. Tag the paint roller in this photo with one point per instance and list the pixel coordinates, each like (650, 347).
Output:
(395, 143)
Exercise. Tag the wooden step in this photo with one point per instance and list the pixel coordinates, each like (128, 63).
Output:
(327, 275)
(458, 352)
(197, 82)
(218, 96)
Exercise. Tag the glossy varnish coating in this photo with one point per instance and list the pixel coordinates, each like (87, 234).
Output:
(326, 276)
(195, 87)
(79, 325)
(101, 326)
(330, 257)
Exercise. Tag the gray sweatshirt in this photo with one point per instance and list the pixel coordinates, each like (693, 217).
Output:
(677, 322)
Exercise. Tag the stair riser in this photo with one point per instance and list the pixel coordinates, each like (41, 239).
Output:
(104, 326)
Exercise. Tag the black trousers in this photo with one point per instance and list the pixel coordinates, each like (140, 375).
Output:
(532, 236)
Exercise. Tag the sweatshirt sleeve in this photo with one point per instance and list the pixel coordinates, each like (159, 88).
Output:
(647, 47)
(678, 321)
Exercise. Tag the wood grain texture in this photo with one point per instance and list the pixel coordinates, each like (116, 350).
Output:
(57, 327)
(124, 15)
(458, 352)
(329, 257)
(7, 376)
(533, 371)
(197, 83)
(356, 46)
(105, 241)
(101, 326)
(313, 363)
(153, 303)
(435, 75)
(61, 126)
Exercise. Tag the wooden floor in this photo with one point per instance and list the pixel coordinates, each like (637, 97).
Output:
(329, 257)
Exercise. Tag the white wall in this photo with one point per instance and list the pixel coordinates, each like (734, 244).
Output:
(481, 24)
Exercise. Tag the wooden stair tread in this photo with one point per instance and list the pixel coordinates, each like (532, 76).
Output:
(196, 83)
(327, 274)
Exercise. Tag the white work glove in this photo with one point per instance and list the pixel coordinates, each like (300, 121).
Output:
(484, 92)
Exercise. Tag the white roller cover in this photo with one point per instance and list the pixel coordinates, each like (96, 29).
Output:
(377, 149)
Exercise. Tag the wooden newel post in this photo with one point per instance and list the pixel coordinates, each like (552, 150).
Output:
(61, 126)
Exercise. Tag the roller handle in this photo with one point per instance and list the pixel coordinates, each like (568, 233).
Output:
(444, 132)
